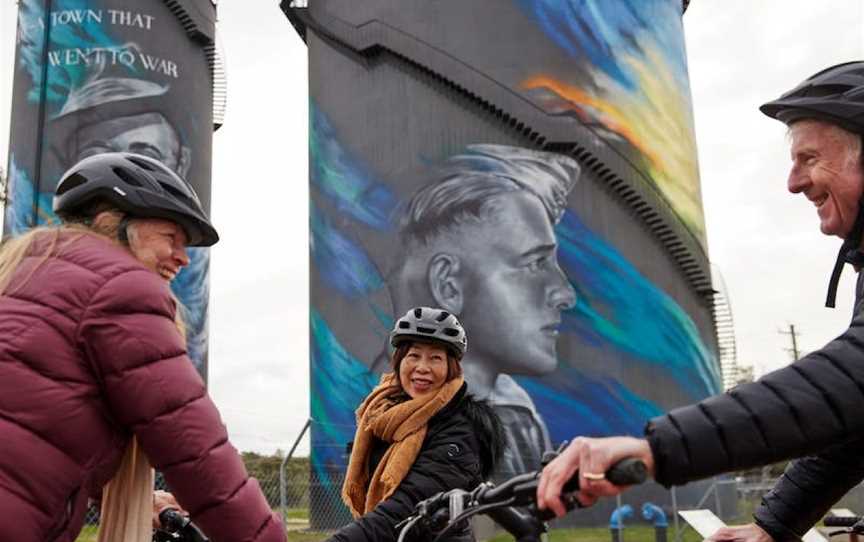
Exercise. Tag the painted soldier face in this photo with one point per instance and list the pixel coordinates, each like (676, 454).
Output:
(149, 134)
(514, 290)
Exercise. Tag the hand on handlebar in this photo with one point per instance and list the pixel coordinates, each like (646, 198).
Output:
(162, 500)
(591, 457)
(513, 503)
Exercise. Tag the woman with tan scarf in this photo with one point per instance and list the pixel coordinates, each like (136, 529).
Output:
(418, 432)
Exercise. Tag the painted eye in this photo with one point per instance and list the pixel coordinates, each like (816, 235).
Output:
(538, 264)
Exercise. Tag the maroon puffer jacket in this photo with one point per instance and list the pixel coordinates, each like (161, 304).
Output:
(89, 355)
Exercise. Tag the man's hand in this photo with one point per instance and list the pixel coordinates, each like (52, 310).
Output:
(740, 533)
(592, 457)
(163, 500)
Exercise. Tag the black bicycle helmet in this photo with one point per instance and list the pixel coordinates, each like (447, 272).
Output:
(428, 324)
(834, 95)
(137, 185)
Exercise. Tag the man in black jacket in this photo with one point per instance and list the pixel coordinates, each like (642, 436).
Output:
(814, 405)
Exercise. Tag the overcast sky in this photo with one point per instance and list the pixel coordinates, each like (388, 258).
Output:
(765, 241)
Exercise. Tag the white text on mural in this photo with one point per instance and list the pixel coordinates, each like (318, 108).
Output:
(115, 16)
(111, 56)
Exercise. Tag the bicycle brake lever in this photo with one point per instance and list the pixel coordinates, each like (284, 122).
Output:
(405, 522)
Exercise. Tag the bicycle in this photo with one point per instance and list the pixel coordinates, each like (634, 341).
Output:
(177, 528)
(854, 526)
(512, 504)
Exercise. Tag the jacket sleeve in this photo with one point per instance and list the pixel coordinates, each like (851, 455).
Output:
(448, 461)
(130, 339)
(801, 409)
(808, 489)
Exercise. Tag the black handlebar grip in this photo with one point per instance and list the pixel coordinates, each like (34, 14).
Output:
(172, 520)
(834, 521)
(627, 472)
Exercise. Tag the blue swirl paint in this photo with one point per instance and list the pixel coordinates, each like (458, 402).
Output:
(574, 403)
(62, 77)
(616, 306)
(20, 214)
(339, 383)
(192, 288)
(592, 32)
(343, 179)
(341, 263)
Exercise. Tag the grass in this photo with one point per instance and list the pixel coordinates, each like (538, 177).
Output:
(638, 533)
(297, 513)
(88, 534)
(631, 534)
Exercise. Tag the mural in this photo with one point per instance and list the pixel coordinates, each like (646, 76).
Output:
(628, 80)
(110, 78)
(488, 234)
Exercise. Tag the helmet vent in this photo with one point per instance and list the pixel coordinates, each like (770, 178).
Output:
(73, 181)
(404, 325)
(143, 164)
(418, 313)
(826, 90)
(179, 194)
(426, 330)
(450, 332)
(127, 177)
(443, 315)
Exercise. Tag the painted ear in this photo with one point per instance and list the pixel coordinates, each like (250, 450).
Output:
(445, 282)
(185, 162)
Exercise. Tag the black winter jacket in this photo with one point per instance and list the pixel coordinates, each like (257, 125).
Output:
(812, 485)
(812, 406)
(463, 443)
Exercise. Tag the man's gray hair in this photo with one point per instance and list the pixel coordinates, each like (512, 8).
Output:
(852, 142)
(463, 189)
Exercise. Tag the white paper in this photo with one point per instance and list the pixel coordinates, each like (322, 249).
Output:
(704, 521)
(813, 536)
(842, 513)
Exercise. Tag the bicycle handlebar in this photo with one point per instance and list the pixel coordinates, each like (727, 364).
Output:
(177, 527)
(447, 509)
(834, 521)
(522, 489)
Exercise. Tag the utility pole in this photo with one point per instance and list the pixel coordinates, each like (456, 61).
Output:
(794, 336)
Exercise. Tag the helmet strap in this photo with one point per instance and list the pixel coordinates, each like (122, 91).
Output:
(850, 252)
(122, 230)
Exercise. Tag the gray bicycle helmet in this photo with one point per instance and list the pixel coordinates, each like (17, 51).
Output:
(429, 324)
(834, 95)
(137, 185)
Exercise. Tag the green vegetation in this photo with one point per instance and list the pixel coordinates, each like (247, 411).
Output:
(88, 534)
(631, 534)
(266, 467)
(639, 533)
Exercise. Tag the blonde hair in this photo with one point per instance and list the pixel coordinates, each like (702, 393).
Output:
(105, 222)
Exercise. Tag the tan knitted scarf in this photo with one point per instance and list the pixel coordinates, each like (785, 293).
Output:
(403, 425)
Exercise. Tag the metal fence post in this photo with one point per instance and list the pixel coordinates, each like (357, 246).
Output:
(675, 513)
(283, 493)
(717, 505)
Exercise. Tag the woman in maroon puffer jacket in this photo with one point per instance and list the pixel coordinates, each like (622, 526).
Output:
(92, 363)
